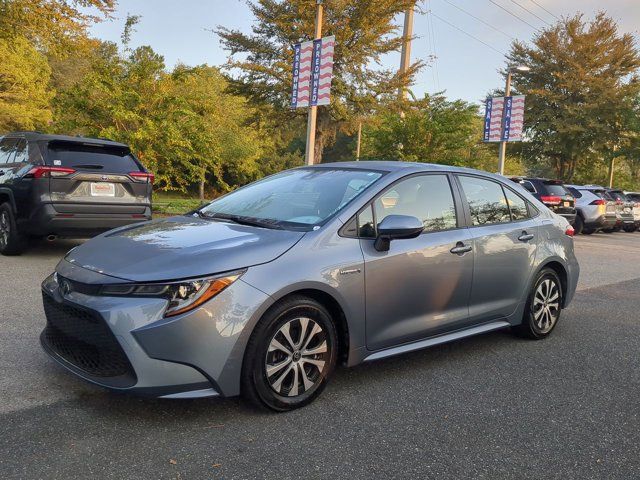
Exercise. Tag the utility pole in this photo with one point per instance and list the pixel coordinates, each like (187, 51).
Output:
(359, 140)
(612, 165)
(405, 57)
(313, 109)
(502, 151)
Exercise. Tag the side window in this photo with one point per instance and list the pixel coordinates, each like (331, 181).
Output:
(21, 152)
(427, 197)
(517, 206)
(528, 186)
(7, 150)
(486, 200)
(366, 228)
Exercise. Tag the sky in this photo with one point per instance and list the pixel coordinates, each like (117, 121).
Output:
(467, 38)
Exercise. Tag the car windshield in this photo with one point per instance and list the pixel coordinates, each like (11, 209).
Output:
(296, 199)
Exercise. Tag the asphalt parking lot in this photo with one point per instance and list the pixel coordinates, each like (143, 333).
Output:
(492, 406)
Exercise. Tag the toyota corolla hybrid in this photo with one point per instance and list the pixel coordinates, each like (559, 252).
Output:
(265, 290)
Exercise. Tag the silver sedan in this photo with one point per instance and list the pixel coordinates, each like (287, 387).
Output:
(265, 290)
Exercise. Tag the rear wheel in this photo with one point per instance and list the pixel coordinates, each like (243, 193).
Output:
(588, 231)
(578, 225)
(11, 242)
(543, 308)
(630, 229)
(290, 356)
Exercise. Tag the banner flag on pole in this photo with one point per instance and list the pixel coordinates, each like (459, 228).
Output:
(504, 119)
(312, 72)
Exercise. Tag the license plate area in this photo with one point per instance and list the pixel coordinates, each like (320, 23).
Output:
(566, 204)
(103, 189)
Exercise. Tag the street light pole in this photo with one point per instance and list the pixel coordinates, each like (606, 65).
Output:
(502, 151)
(313, 109)
(359, 140)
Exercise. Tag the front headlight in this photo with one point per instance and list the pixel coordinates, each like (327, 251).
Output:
(183, 296)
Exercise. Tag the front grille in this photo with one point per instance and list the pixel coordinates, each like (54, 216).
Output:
(82, 339)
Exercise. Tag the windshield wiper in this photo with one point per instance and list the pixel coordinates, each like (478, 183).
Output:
(242, 220)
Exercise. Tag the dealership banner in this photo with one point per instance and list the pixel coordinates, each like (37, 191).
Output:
(312, 72)
(504, 119)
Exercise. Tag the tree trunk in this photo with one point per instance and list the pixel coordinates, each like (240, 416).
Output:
(203, 177)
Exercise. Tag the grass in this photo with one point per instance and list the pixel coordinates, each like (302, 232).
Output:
(173, 204)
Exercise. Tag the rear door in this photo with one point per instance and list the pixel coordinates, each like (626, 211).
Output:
(96, 179)
(505, 237)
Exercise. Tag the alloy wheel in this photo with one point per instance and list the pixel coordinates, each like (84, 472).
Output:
(5, 229)
(297, 357)
(546, 305)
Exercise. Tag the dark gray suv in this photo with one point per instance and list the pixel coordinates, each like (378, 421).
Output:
(54, 185)
(263, 291)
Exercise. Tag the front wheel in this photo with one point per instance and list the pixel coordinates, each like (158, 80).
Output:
(578, 225)
(290, 356)
(543, 307)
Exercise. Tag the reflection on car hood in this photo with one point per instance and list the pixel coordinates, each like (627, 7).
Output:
(181, 247)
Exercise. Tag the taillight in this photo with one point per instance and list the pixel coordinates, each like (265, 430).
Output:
(49, 172)
(143, 177)
(550, 200)
(570, 231)
(598, 202)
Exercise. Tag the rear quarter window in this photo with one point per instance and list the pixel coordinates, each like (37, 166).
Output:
(102, 159)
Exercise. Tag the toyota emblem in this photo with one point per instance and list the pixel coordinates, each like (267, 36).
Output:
(65, 288)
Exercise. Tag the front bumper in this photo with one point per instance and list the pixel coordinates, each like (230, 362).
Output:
(46, 221)
(193, 355)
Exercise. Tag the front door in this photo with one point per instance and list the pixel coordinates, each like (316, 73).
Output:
(419, 287)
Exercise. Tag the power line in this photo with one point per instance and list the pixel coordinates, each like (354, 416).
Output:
(529, 11)
(468, 34)
(549, 12)
(479, 19)
(433, 44)
(514, 15)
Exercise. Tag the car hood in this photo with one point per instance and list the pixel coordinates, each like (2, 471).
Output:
(180, 247)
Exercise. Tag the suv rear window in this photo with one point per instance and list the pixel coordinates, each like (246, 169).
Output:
(105, 159)
(556, 189)
(575, 192)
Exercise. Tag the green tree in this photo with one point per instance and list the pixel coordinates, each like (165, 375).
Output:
(582, 80)
(24, 89)
(433, 130)
(365, 30)
(52, 26)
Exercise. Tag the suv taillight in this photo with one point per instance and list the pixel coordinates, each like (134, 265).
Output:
(143, 177)
(598, 202)
(550, 200)
(49, 172)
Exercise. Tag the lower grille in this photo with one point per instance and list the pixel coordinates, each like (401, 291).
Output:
(82, 339)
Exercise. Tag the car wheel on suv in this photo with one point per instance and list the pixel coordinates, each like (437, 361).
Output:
(578, 226)
(291, 355)
(11, 242)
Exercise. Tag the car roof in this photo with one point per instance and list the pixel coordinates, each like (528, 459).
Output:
(45, 137)
(396, 166)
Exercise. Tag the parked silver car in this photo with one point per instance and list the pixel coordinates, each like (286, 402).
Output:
(263, 291)
(595, 210)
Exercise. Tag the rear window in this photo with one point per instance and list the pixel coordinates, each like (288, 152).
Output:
(575, 192)
(104, 159)
(618, 196)
(556, 189)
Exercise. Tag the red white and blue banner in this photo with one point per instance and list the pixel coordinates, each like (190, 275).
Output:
(504, 119)
(312, 72)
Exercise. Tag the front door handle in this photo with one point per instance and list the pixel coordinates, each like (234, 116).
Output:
(525, 237)
(461, 249)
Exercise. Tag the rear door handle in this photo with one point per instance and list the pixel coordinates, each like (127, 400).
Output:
(461, 249)
(525, 237)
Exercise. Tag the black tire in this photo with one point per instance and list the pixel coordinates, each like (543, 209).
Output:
(630, 229)
(608, 230)
(289, 390)
(535, 323)
(11, 242)
(588, 231)
(578, 225)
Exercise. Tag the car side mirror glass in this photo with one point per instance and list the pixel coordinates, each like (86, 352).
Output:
(396, 227)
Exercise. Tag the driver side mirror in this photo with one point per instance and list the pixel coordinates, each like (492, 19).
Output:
(396, 227)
